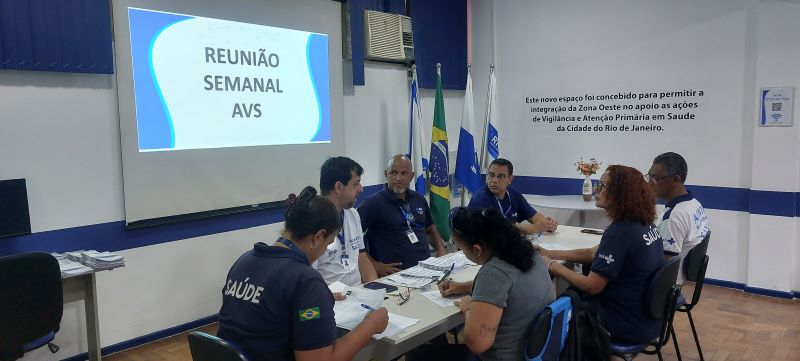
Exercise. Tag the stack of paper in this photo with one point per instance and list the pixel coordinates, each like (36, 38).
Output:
(102, 260)
(397, 324)
(69, 267)
(406, 281)
(422, 272)
(457, 261)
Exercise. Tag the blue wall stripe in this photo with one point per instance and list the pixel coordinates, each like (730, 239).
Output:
(114, 237)
(723, 283)
(773, 203)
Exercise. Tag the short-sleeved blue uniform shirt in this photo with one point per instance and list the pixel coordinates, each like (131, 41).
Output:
(274, 303)
(629, 255)
(513, 206)
(386, 220)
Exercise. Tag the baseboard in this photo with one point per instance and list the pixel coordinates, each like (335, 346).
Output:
(753, 290)
(725, 284)
(141, 340)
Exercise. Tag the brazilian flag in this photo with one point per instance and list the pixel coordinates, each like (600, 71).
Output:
(309, 314)
(438, 165)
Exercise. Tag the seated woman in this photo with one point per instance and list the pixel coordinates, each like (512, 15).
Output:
(510, 289)
(276, 307)
(629, 254)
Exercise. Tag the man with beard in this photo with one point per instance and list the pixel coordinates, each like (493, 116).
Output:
(398, 222)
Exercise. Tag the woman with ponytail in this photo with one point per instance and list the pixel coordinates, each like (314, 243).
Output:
(510, 289)
(275, 306)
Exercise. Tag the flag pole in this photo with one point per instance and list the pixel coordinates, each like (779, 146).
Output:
(482, 160)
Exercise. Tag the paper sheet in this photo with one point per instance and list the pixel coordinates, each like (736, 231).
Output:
(553, 247)
(349, 312)
(397, 324)
(437, 298)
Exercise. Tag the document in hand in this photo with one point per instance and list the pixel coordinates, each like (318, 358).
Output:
(349, 312)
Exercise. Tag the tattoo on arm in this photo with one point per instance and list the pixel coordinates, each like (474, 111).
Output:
(487, 331)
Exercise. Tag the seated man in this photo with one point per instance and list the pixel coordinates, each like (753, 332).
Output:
(499, 194)
(683, 224)
(346, 258)
(398, 222)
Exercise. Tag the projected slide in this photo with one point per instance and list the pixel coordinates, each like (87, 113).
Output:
(205, 83)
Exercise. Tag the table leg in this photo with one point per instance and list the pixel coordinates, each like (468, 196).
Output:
(92, 325)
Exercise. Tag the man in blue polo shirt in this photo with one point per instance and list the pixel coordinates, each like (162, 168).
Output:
(398, 222)
(683, 224)
(498, 194)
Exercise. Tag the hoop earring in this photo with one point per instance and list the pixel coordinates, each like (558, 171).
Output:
(312, 245)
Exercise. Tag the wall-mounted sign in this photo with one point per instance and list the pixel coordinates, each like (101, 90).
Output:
(776, 108)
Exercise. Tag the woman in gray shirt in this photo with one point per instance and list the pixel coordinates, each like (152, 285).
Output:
(511, 288)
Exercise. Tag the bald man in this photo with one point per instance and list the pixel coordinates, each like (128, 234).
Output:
(398, 223)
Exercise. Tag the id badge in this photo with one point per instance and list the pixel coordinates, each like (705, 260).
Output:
(412, 236)
(345, 260)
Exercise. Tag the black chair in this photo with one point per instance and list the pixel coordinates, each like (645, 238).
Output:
(662, 295)
(31, 303)
(694, 266)
(205, 347)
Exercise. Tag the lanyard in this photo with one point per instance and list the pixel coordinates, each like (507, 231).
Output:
(340, 235)
(292, 247)
(407, 216)
(505, 212)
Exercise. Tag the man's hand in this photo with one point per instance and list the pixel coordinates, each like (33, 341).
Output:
(441, 251)
(385, 269)
(338, 296)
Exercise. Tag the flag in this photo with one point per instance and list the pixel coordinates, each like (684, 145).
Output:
(492, 136)
(415, 153)
(468, 170)
(439, 168)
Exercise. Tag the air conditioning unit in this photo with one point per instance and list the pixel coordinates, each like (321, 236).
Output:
(388, 37)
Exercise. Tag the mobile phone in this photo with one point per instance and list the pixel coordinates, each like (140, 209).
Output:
(374, 285)
(592, 231)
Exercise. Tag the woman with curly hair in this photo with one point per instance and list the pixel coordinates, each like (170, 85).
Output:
(626, 260)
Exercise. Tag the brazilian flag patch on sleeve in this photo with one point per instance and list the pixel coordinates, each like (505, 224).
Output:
(309, 314)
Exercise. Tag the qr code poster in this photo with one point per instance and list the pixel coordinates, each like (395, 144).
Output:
(777, 105)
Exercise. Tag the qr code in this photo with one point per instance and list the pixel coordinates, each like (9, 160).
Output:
(776, 107)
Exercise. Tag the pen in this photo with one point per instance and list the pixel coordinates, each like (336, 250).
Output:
(446, 274)
(368, 307)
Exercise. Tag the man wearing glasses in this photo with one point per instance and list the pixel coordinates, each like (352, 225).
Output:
(683, 224)
(398, 223)
(499, 194)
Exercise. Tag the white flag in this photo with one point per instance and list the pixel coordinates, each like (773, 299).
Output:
(415, 149)
(492, 144)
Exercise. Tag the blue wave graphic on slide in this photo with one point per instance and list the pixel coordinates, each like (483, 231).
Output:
(317, 55)
(153, 121)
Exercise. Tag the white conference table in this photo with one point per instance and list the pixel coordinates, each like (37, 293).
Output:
(573, 202)
(435, 320)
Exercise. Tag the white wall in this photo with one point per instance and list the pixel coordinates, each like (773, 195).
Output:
(729, 49)
(61, 133)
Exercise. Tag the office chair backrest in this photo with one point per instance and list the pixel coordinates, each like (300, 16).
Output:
(661, 286)
(31, 298)
(694, 259)
(205, 347)
(547, 333)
